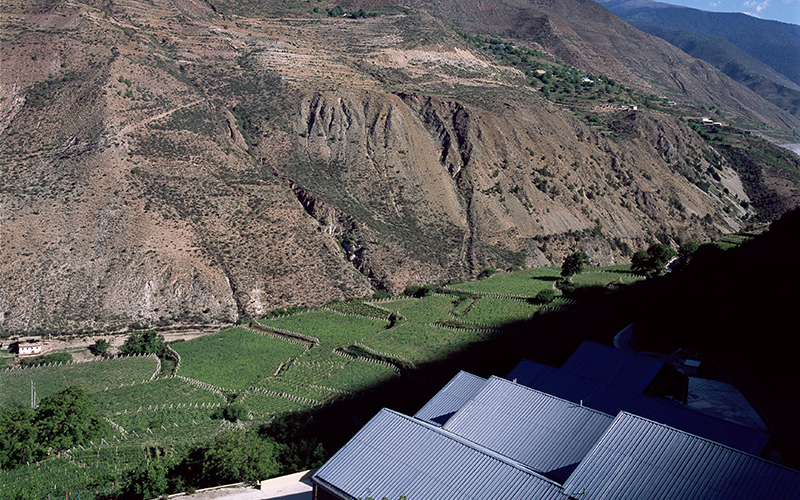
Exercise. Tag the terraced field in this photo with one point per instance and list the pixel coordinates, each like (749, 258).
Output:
(234, 359)
(495, 311)
(333, 329)
(422, 343)
(425, 310)
(524, 283)
(96, 377)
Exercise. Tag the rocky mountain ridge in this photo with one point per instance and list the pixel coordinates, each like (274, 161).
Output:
(758, 53)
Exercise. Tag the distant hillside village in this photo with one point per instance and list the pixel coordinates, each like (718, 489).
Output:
(609, 424)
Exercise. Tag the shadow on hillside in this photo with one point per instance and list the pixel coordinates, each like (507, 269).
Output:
(734, 307)
(549, 337)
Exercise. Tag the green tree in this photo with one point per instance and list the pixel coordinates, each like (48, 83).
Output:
(419, 291)
(18, 437)
(68, 418)
(685, 253)
(145, 342)
(239, 456)
(147, 480)
(100, 347)
(297, 447)
(651, 262)
(573, 264)
(639, 261)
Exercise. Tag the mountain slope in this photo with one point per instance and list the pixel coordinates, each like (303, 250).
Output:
(585, 34)
(770, 67)
(774, 43)
(735, 63)
(171, 163)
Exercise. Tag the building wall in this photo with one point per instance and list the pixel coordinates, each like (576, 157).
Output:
(29, 349)
(321, 493)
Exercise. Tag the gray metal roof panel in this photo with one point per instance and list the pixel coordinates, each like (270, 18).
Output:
(394, 455)
(548, 434)
(461, 388)
(638, 458)
(626, 370)
(612, 400)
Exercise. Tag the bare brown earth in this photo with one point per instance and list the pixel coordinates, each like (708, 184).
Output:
(368, 153)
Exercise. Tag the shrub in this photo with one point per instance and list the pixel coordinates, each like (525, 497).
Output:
(545, 296)
(100, 347)
(235, 412)
(146, 342)
(419, 291)
(487, 272)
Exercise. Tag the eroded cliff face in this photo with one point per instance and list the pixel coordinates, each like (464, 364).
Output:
(456, 187)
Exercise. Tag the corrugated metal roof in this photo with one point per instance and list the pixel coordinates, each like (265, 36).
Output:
(394, 455)
(638, 458)
(626, 370)
(546, 433)
(612, 400)
(461, 388)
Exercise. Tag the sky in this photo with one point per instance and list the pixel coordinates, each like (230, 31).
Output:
(787, 11)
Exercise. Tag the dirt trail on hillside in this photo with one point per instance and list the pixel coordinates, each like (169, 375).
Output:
(136, 125)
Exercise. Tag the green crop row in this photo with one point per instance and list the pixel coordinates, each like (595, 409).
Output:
(357, 308)
(524, 283)
(358, 375)
(329, 379)
(606, 277)
(95, 377)
(494, 311)
(424, 310)
(57, 477)
(310, 373)
(235, 358)
(263, 406)
(176, 425)
(297, 388)
(422, 343)
(158, 392)
(330, 328)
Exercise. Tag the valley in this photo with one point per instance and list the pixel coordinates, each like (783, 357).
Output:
(309, 211)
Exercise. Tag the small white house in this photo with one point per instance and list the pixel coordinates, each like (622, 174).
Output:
(30, 346)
